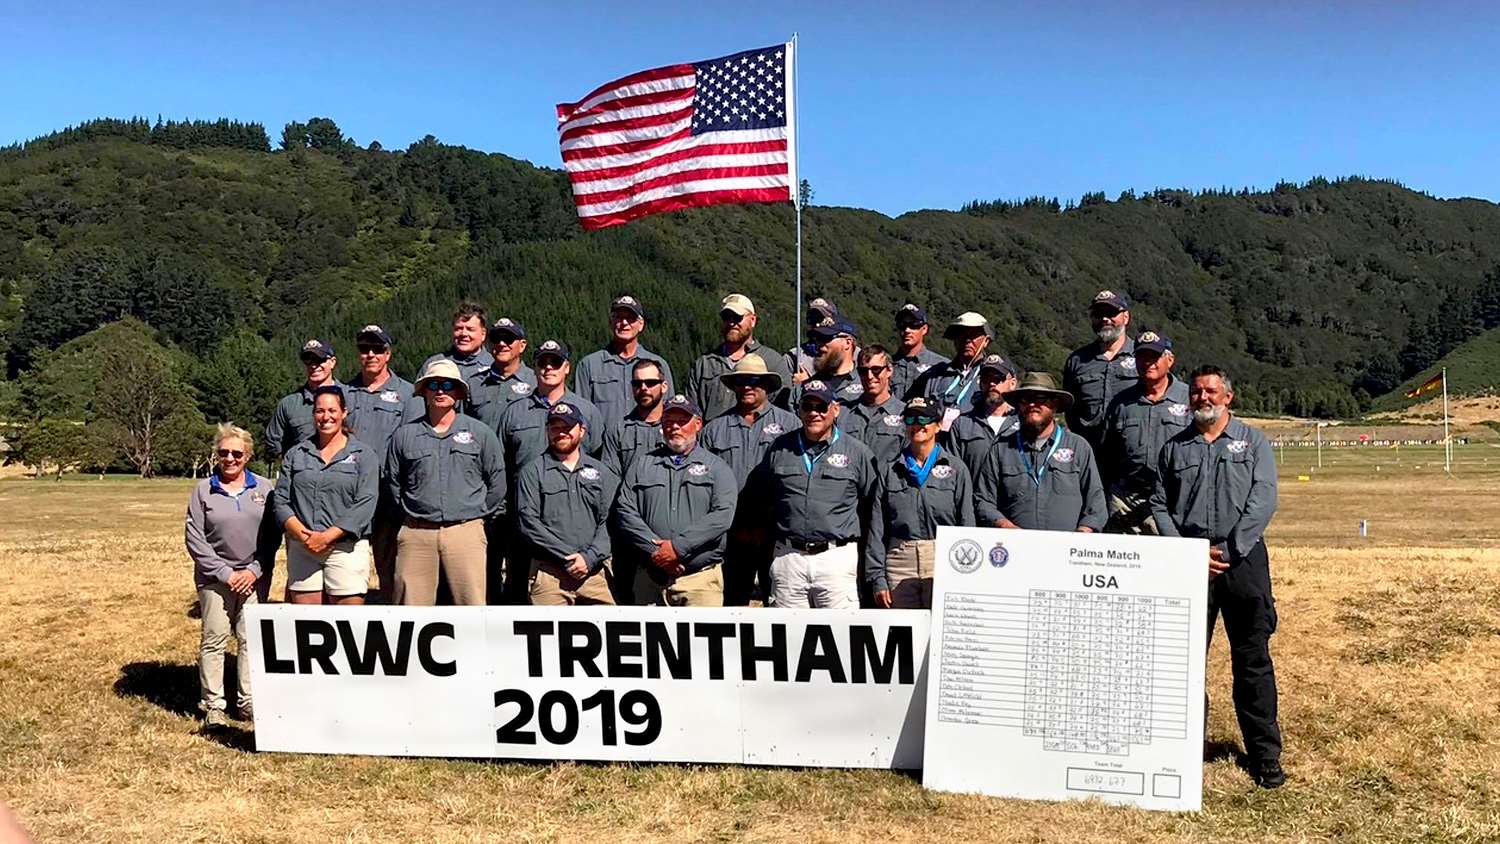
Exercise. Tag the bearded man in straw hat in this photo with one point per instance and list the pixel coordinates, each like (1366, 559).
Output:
(740, 437)
(447, 472)
(1042, 477)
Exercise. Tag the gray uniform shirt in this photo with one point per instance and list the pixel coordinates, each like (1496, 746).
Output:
(451, 477)
(947, 383)
(627, 439)
(603, 378)
(1094, 382)
(1068, 496)
(846, 389)
(291, 421)
(340, 493)
(374, 415)
(831, 503)
(743, 445)
(686, 499)
(906, 511)
(971, 437)
(1223, 491)
(565, 511)
(523, 427)
(491, 393)
(879, 427)
(471, 365)
(906, 370)
(713, 398)
(1135, 430)
(226, 533)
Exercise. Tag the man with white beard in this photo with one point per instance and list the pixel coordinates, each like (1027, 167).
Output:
(1217, 480)
(1096, 373)
(675, 508)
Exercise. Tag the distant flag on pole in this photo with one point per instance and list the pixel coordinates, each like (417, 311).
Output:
(682, 136)
(1426, 386)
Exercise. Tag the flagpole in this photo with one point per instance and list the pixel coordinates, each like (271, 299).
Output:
(796, 116)
(1447, 440)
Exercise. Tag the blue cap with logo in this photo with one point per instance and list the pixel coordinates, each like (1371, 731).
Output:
(506, 325)
(316, 350)
(1110, 299)
(552, 348)
(833, 327)
(815, 389)
(564, 412)
(373, 334)
(911, 314)
(681, 404)
(1151, 341)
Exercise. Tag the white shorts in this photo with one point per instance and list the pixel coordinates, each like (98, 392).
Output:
(829, 579)
(343, 571)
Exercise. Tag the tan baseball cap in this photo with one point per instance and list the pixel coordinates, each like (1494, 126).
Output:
(739, 303)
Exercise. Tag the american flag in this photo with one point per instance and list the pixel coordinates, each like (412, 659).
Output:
(681, 136)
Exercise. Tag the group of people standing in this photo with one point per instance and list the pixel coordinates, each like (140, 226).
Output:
(816, 477)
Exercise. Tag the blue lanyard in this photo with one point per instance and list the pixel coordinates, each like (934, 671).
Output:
(962, 376)
(1033, 473)
(810, 462)
(920, 473)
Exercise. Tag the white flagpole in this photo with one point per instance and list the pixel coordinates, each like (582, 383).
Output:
(792, 123)
(1447, 440)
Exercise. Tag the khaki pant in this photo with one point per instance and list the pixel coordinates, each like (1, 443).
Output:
(700, 589)
(1130, 513)
(455, 551)
(223, 612)
(908, 568)
(552, 586)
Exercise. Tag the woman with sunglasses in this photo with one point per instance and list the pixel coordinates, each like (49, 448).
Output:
(924, 487)
(325, 499)
(232, 541)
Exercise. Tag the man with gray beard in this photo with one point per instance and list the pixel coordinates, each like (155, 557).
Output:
(1096, 373)
(675, 507)
(1217, 480)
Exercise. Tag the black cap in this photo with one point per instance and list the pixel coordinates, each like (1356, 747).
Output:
(1150, 341)
(320, 350)
(681, 403)
(920, 407)
(999, 363)
(629, 303)
(1110, 299)
(373, 334)
(552, 348)
(509, 326)
(911, 314)
(567, 413)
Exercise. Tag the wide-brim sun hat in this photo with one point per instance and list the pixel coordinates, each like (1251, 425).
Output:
(750, 366)
(1039, 384)
(439, 370)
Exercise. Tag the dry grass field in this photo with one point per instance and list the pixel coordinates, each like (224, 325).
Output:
(1388, 657)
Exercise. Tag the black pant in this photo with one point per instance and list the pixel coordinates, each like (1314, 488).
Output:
(1242, 595)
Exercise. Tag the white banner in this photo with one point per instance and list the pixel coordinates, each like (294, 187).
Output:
(827, 688)
(1068, 665)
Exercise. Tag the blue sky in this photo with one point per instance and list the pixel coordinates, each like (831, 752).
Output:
(904, 105)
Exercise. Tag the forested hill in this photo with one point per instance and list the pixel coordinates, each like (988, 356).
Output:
(1320, 296)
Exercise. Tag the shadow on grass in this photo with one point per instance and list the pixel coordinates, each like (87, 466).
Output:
(174, 688)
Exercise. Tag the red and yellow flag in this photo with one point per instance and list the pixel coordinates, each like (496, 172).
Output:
(1426, 386)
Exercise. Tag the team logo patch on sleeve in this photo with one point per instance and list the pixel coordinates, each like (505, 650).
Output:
(1237, 446)
(698, 470)
(838, 461)
(589, 473)
(1063, 455)
(463, 437)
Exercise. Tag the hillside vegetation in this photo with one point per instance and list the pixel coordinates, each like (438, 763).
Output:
(1473, 370)
(1320, 297)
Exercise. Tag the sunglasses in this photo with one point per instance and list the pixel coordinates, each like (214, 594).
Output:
(870, 370)
(750, 381)
(731, 317)
(504, 339)
(374, 350)
(646, 382)
(814, 407)
(919, 420)
(315, 361)
(550, 363)
(444, 385)
(231, 454)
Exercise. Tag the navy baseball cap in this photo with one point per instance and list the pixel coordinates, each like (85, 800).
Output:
(911, 314)
(921, 409)
(628, 303)
(833, 327)
(506, 325)
(552, 348)
(824, 308)
(565, 412)
(815, 389)
(1110, 299)
(373, 334)
(1150, 341)
(999, 364)
(681, 404)
(318, 350)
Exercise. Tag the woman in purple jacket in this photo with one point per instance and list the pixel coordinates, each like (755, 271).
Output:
(232, 538)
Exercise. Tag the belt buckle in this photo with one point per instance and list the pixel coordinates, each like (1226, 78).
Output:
(816, 547)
